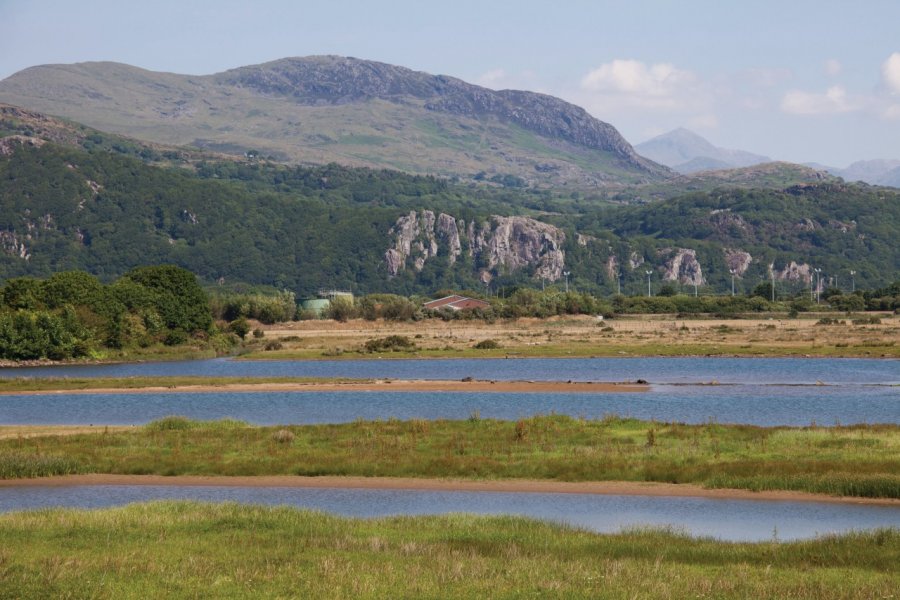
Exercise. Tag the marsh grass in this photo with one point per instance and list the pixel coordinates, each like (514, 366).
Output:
(186, 549)
(19, 465)
(859, 460)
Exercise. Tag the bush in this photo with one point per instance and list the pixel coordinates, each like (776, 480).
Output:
(391, 343)
(487, 344)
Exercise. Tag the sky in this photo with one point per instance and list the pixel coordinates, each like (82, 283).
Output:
(798, 80)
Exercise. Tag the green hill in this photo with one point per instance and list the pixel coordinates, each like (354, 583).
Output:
(102, 207)
(354, 112)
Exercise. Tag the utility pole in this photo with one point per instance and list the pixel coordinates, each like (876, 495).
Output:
(732, 281)
(773, 285)
(852, 281)
(649, 273)
(619, 282)
(566, 273)
(818, 282)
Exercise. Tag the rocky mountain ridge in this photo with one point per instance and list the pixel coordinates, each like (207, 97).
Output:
(335, 109)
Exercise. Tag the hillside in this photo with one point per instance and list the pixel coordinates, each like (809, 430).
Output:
(687, 152)
(303, 228)
(354, 112)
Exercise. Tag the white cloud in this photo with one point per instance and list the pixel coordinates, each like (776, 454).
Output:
(890, 71)
(835, 100)
(492, 78)
(632, 82)
(500, 79)
(892, 112)
(833, 67)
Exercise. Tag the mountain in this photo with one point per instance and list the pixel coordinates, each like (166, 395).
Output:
(354, 112)
(105, 206)
(875, 172)
(891, 178)
(687, 152)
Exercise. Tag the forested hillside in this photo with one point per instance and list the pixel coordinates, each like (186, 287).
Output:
(305, 228)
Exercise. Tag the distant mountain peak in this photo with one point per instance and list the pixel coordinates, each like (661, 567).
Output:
(688, 152)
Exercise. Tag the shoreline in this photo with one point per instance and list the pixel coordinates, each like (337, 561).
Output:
(379, 385)
(604, 488)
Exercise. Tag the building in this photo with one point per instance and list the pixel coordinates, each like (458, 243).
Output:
(456, 302)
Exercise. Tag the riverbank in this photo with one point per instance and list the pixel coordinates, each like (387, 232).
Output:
(173, 549)
(858, 461)
(250, 384)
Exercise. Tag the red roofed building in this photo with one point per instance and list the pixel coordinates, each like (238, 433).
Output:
(456, 302)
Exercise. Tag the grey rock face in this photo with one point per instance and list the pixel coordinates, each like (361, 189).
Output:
(737, 261)
(682, 266)
(504, 243)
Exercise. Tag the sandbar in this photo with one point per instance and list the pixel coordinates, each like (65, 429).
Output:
(379, 385)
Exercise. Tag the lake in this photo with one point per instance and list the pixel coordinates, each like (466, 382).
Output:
(657, 370)
(748, 404)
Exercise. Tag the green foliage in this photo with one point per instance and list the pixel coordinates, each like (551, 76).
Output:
(305, 229)
(177, 297)
(391, 343)
(488, 344)
(240, 327)
(71, 313)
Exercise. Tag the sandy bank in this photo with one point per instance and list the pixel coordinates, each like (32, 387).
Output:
(618, 488)
(381, 385)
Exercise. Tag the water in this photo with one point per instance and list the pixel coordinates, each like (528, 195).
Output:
(655, 370)
(757, 405)
(737, 520)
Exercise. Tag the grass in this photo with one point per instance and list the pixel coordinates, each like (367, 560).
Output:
(859, 460)
(186, 549)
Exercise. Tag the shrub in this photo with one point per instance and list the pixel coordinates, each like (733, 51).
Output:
(391, 343)
(487, 344)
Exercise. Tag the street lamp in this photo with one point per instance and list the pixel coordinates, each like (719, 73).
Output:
(732, 271)
(852, 282)
(649, 273)
(566, 273)
(818, 282)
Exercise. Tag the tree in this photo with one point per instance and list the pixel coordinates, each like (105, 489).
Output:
(177, 296)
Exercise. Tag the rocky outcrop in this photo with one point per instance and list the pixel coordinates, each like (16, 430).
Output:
(502, 244)
(9, 144)
(737, 261)
(612, 266)
(793, 272)
(726, 222)
(635, 260)
(682, 266)
(12, 245)
(519, 242)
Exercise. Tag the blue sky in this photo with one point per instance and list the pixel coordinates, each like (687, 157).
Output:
(793, 79)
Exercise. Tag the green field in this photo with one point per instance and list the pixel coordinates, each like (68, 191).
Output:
(858, 460)
(184, 549)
